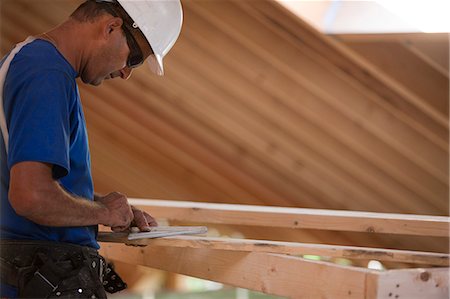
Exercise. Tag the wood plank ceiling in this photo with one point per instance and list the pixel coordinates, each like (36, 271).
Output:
(259, 108)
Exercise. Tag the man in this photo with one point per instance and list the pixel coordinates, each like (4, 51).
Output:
(49, 212)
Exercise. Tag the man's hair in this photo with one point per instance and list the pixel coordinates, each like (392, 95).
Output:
(90, 10)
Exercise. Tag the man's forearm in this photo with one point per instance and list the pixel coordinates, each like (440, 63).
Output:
(34, 194)
(53, 206)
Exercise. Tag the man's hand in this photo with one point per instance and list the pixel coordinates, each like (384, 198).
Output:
(120, 215)
(142, 220)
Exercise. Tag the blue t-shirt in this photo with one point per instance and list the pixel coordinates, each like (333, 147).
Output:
(46, 124)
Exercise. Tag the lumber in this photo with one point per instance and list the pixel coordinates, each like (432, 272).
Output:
(297, 218)
(284, 275)
(290, 248)
(275, 274)
(409, 283)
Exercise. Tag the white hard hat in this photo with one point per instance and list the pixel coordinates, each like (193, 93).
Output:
(160, 22)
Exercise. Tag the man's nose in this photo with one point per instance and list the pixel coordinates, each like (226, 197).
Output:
(125, 73)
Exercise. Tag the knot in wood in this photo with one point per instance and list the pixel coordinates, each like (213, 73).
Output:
(370, 229)
(425, 276)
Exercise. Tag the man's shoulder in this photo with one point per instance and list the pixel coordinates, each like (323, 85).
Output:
(38, 58)
(39, 71)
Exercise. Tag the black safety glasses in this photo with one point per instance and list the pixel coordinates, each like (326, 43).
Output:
(136, 57)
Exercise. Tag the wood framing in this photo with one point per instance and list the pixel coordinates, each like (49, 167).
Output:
(389, 223)
(408, 283)
(283, 275)
(290, 248)
(270, 267)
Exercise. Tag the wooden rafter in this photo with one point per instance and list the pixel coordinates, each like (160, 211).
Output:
(389, 223)
(398, 58)
(412, 106)
(258, 265)
(433, 48)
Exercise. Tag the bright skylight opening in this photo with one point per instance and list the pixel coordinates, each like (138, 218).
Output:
(427, 16)
(378, 16)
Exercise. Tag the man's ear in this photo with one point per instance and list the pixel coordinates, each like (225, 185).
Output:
(112, 25)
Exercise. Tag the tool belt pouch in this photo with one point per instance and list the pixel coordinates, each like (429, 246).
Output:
(47, 278)
(40, 282)
(48, 270)
(77, 275)
(112, 281)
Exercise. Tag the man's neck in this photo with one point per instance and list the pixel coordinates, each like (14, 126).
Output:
(70, 39)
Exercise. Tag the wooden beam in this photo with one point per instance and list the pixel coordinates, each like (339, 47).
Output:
(291, 248)
(437, 226)
(288, 276)
(269, 273)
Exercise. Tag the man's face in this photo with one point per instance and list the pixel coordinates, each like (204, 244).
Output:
(109, 61)
(120, 49)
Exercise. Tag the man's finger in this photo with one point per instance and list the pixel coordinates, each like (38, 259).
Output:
(118, 229)
(150, 220)
(140, 221)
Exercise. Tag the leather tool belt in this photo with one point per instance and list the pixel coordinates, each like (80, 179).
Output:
(44, 269)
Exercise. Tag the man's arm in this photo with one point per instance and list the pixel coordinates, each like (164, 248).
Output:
(35, 195)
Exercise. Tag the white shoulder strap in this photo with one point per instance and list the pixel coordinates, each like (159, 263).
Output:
(3, 71)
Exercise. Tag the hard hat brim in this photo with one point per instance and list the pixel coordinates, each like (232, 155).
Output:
(160, 22)
(155, 62)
